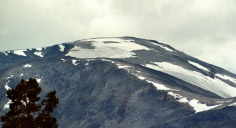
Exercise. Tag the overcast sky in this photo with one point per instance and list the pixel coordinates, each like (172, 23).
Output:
(205, 29)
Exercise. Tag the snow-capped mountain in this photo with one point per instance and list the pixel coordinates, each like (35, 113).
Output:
(124, 82)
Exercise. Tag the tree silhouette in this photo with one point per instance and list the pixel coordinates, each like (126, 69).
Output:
(25, 109)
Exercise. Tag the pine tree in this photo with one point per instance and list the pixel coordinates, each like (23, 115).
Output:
(26, 111)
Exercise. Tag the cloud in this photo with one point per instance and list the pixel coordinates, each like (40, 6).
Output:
(223, 56)
(198, 28)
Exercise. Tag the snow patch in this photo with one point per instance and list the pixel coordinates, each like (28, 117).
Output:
(19, 52)
(123, 66)
(121, 49)
(215, 86)
(179, 97)
(198, 66)
(64, 60)
(141, 77)
(164, 47)
(120, 66)
(39, 49)
(7, 86)
(7, 105)
(108, 60)
(38, 80)
(62, 47)
(40, 54)
(9, 77)
(74, 62)
(199, 107)
(27, 66)
(183, 100)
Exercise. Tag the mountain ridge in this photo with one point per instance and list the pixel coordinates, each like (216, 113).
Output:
(123, 72)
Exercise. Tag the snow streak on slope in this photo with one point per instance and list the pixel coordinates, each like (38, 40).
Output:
(157, 85)
(122, 66)
(164, 47)
(115, 48)
(5, 53)
(225, 77)
(198, 66)
(213, 85)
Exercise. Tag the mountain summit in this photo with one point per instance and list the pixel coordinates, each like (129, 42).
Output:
(124, 82)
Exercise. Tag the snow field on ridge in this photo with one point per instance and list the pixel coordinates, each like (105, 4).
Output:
(120, 49)
(205, 82)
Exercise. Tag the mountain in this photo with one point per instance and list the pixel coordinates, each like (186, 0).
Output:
(124, 82)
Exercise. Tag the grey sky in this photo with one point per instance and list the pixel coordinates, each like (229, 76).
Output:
(205, 29)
